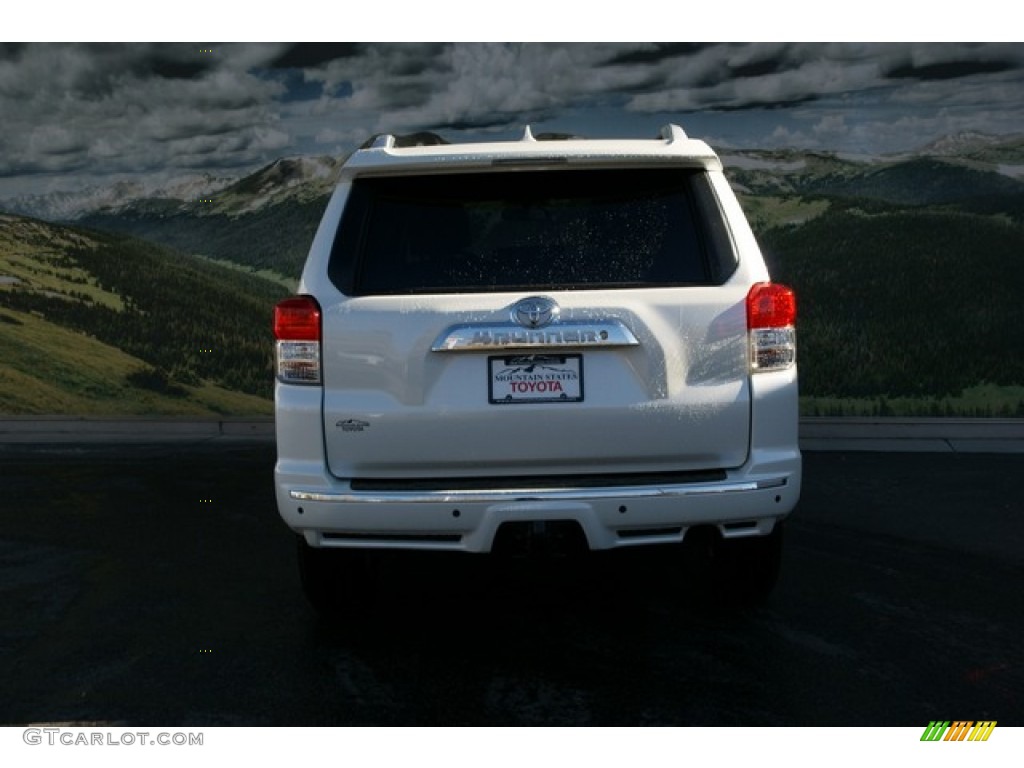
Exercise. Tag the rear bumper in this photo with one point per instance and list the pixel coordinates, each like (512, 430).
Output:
(328, 513)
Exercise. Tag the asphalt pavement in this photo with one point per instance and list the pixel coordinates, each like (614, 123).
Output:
(147, 581)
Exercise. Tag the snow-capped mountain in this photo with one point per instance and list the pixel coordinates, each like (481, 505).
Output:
(67, 206)
(299, 178)
(959, 144)
(1007, 152)
(72, 205)
(294, 178)
(194, 187)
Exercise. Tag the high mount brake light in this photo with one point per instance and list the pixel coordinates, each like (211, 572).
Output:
(297, 331)
(771, 317)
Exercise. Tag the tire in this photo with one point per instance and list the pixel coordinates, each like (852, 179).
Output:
(733, 573)
(337, 582)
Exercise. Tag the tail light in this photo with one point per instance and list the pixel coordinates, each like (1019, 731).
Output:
(771, 319)
(297, 331)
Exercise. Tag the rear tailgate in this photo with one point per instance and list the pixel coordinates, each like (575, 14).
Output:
(622, 381)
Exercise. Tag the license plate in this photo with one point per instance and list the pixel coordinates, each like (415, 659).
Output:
(535, 379)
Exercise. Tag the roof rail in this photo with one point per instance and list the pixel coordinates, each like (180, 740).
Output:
(673, 132)
(383, 141)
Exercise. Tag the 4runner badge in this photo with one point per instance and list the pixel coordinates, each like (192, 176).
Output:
(535, 312)
(352, 425)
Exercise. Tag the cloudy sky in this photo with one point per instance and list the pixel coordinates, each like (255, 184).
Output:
(81, 114)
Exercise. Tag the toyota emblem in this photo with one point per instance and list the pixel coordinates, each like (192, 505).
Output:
(535, 312)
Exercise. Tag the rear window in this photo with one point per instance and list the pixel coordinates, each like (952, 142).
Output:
(530, 230)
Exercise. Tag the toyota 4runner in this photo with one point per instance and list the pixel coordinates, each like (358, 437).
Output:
(497, 340)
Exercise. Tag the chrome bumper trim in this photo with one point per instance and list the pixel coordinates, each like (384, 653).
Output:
(533, 494)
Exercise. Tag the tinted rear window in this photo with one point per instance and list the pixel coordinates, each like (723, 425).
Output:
(530, 230)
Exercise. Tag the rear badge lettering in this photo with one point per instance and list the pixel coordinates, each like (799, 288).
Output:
(473, 338)
(352, 425)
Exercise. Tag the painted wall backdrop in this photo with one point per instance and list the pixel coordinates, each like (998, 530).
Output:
(157, 199)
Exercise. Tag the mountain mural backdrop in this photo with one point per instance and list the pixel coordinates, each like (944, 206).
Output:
(907, 270)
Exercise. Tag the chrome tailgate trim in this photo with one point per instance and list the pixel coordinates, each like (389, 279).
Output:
(492, 336)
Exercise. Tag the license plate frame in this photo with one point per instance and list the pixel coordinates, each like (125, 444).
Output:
(534, 378)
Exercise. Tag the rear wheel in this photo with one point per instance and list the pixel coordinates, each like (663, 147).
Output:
(734, 572)
(336, 582)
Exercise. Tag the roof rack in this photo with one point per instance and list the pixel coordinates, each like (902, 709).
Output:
(673, 132)
(668, 133)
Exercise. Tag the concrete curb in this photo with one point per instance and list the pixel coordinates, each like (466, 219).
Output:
(816, 434)
(84, 429)
(912, 435)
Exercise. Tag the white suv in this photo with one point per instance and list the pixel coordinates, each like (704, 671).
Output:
(498, 342)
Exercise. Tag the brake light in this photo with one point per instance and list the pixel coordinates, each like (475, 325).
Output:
(771, 319)
(297, 332)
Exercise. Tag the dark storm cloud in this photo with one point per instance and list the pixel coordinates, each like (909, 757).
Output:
(391, 71)
(116, 108)
(423, 86)
(311, 55)
(770, 65)
(483, 123)
(123, 108)
(178, 69)
(765, 105)
(420, 59)
(737, 77)
(501, 86)
(949, 70)
(10, 50)
(654, 53)
(712, 73)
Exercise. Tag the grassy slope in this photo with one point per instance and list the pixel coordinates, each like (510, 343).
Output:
(767, 211)
(984, 401)
(52, 370)
(63, 292)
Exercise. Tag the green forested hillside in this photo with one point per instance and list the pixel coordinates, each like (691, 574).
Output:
(170, 325)
(922, 181)
(276, 238)
(903, 301)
